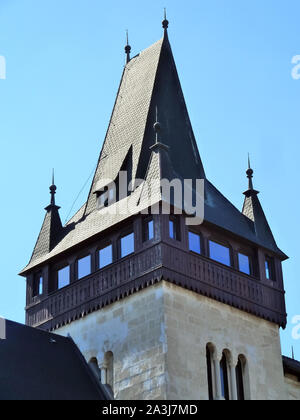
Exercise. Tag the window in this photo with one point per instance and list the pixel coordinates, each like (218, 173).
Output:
(269, 268)
(105, 256)
(219, 253)
(93, 363)
(63, 279)
(244, 264)
(38, 282)
(148, 229)
(84, 267)
(174, 228)
(195, 242)
(107, 371)
(127, 245)
(239, 370)
(209, 373)
(224, 378)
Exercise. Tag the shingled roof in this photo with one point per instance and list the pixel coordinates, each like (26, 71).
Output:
(150, 82)
(37, 365)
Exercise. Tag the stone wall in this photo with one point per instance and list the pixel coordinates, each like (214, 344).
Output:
(133, 330)
(158, 338)
(292, 387)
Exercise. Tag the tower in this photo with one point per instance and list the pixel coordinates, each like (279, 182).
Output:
(161, 309)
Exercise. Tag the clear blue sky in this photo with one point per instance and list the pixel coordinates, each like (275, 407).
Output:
(64, 62)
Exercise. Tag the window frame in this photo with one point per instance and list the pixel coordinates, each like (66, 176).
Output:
(63, 267)
(271, 267)
(77, 266)
(250, 258)
(175, 219)
(36, 292)
(200, 242)
(145, 228)
(99, 249)
(122, 236)
(224, 245)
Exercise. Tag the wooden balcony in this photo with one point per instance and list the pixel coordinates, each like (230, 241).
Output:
(159, 262)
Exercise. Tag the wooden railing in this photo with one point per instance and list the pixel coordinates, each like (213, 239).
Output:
(161, 261)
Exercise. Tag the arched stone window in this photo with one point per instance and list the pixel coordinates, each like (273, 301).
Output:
(210, 370)
(107, 370)
(224, 376)
(93, 363)
(242, 378)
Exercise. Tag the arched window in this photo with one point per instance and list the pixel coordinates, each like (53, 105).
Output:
(93, 363)
(224, 377)
(240, 378)
(108, 370)
(210, 369)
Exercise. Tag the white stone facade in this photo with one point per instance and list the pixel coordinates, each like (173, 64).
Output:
(158, 338)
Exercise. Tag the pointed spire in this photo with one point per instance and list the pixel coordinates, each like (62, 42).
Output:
(250, 172)
(127, 48)
(293, 354)
(53, 189)
(165, 22)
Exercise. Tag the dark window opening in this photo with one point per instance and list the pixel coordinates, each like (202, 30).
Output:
(224, 378)
(195, 242)
(209, 374)
(240, 381)
(219, 253)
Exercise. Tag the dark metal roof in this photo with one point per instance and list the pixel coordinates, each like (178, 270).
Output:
(150, 81)
(37, 365)
(291, 366)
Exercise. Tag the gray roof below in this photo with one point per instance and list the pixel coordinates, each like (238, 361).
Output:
(37, 365)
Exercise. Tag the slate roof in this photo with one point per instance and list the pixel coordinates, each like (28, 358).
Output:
(291, 367)
(37, 365)
(149, 82)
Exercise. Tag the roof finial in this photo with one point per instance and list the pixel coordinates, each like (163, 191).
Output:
(157, 126)
(53, 190)
(127, 48)
(250, 173)
(293, 354)
(165, 22)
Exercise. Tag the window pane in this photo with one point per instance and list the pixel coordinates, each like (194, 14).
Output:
(84, 267)
(219, 253)
(150, 230)
(269, 269)
(41, 280)
(37, 286)
(194, 242)
(105, 256)
(127, 245)
(244, 264)
(172, 229)
(63, 277)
